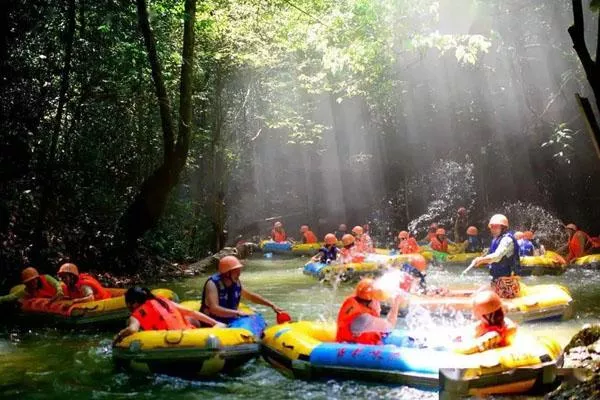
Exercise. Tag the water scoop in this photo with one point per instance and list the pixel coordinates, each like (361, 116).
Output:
(283, 317)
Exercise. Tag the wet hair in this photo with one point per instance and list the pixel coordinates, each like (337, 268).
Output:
(495, 318)
(140, 295)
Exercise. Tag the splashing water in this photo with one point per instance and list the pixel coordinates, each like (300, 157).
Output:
(389, 282)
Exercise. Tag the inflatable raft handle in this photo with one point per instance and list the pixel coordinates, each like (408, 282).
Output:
(288, 346)
(174, 339)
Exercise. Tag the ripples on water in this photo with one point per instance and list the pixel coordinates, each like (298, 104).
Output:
(51, 364)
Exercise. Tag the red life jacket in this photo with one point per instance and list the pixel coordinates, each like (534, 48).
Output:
(438, 245)
(45, 290)
(506, 331)
(575, 249)
(278, 236)
(408, 246)
(310, 237)
(351, 309)
(100, 293)
(152, 316)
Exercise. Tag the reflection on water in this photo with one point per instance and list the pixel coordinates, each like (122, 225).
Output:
(52, 364)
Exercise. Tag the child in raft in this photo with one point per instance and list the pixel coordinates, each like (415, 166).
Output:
(152, 313)
(329, 252)
(492, 330)
(413, 279)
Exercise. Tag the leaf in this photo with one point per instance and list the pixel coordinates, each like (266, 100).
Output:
(595, 5)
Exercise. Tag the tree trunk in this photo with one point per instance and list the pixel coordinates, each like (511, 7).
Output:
(48, 164)
(591, 68)
(149, 204)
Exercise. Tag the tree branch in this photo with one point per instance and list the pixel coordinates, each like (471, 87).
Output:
(161, 91)
(576, 31)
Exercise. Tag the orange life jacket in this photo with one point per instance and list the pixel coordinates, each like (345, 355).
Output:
(310, 237)
(506, 331)
(408, 246)
(364, 244)
(430, 236)
(438, 245)
(100, 293)
(45, 290)
(575, 249)
(351, 255)
(351, 309)
(152, 316)
(278, 236)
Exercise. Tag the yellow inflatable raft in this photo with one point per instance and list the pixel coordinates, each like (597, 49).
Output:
(592, 261)
(112, 311)
(535, 303)
(307, 350)
(192, 353)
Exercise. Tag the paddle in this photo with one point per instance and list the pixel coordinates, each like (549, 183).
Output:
(468, 268)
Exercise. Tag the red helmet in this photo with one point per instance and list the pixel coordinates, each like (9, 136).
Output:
(29, 274)
(358, 230)
(528, 235)
(347, 239)
(330, 239)
(68, 268)
(486, 302)
(229, 263)
(418, 261)
(462, 211)
(365, 289)
(403, 235)
(571, 226)
(278, 224)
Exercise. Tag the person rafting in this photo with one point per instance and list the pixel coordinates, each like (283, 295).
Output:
(579, 243)
(223, 291)
(154, 313)
(473, 244)
(349, 253)
(308, 236)
(440, 242)
(329, 252)
(341, 231)
(493, 328)
(526, 248)
(36, 286)
(80, 288)
(359, 319)
(363, 241)
(460, 225)
(538, 248)
(407, 244)
(503, 259)
(430, 233)
(413, 280)
(278, 233)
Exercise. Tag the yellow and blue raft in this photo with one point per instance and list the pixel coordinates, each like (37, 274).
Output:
(591, 261)
(192, 353)
(535, 303)
(307, 350)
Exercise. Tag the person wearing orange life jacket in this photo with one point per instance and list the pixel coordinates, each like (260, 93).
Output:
(278, 233)
(407, 244)
(579, 243)
(81, 287)
(431, 232)
(359, 319)
(36, 286)
(493, 328)
(349, 253)
(439, 242)
(223, 291)
(363, 241)
(308, 236)
(153, 313)
(414, 273)
(329, 252)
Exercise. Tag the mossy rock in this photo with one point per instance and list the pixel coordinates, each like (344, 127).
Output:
(584, 337)
(589, 389)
